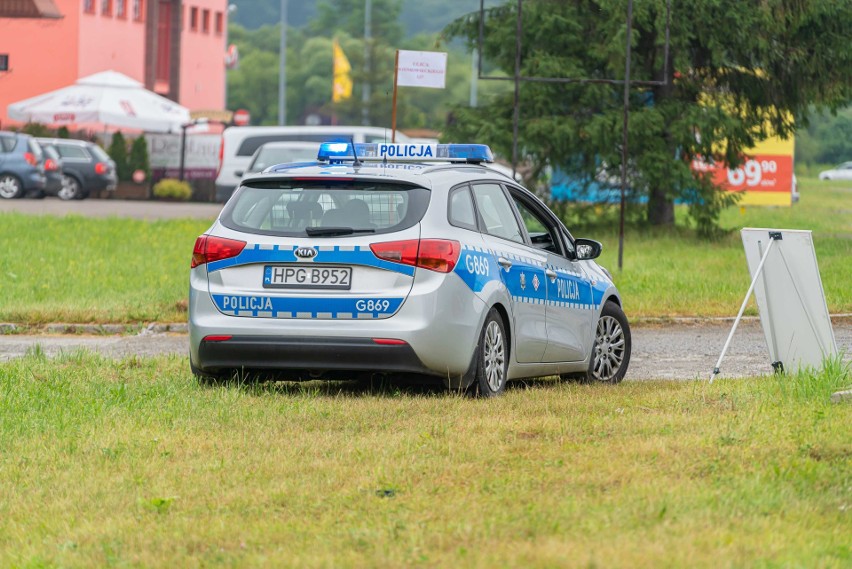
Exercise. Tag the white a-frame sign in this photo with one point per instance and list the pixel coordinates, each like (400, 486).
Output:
(790, 299)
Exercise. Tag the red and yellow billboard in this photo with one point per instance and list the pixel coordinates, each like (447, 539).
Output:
(765, 177)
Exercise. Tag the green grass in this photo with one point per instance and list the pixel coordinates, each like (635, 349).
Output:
(74, 269)
(132, 464)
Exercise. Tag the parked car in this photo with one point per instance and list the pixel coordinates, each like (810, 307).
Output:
(239, 144)
(273, 153)
(52, 171)
(86, 167)
(21, 165)
(840, 172)
(400, 259)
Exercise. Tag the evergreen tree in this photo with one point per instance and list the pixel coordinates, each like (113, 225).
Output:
(735, 68)
(138, 159)
(118, 152)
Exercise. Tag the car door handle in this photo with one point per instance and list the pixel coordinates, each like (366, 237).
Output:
(504, 262)
(551, 274)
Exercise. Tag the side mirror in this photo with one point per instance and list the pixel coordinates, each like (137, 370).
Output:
(238, 173)
(587, 249)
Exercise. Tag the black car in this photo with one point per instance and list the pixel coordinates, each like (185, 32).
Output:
(86, 167)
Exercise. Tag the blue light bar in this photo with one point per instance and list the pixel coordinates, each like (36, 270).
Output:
(337, 152)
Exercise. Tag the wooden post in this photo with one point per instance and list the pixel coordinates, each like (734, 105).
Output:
(393, 112)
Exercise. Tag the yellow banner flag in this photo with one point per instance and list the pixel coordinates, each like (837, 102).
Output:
(342, 88)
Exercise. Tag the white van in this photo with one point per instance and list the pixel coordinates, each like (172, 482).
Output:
(240, 142)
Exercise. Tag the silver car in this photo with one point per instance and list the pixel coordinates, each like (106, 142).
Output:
(400, 259)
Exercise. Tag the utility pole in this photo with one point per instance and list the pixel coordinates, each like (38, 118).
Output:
(365, 89)
(473, 77)
(282, 71)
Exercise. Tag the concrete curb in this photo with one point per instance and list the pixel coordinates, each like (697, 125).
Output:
(842, 396)
(60, 328)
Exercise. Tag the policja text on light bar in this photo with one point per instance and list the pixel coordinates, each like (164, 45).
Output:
(342, 151)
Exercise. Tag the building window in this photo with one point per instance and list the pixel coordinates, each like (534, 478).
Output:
(121, 8)
(106, 7)
(220, 23)
(89, 6)
(205, 21)
(137, 10)
(193, 19)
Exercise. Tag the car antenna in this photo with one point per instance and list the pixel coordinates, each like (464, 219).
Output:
(356, 163)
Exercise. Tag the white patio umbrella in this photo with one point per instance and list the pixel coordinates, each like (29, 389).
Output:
(108, 98)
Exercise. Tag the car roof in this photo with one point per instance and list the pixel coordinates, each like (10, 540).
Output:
(64, 141)
(429, 175)
(314, 146)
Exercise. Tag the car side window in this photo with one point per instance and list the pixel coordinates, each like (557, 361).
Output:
(7, 144)
(461, 211)
(496, 212)
(543, 232)
(72, 152)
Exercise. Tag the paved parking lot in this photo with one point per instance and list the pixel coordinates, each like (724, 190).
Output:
(675, 351)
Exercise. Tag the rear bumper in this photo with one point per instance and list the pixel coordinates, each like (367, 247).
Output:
(313, 353)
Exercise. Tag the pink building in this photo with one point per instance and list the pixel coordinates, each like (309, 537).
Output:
(175, 47)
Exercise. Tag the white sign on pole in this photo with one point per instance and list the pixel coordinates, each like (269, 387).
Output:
(422, 69)
(790, 298)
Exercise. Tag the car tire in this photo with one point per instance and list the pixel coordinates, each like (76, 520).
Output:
(610, 355)
(492, 358)
(10, 187)
(71, 189)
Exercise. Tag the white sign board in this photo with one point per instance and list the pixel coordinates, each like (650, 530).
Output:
(421, 69)
(790, 297)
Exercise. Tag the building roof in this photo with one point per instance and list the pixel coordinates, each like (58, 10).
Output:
(29, 9)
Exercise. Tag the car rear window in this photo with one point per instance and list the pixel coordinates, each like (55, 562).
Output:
(99, 153)
(317, 208)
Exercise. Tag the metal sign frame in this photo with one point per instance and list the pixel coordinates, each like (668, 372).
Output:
(790, 299)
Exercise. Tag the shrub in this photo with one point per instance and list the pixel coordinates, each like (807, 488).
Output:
(171, 189)
(118, 152)
(138, 159)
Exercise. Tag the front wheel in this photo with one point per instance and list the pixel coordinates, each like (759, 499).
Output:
(611, 350)
(10, 187)
(492, 358)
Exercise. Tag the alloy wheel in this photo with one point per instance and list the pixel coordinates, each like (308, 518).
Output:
(609, 349)
(494, 356)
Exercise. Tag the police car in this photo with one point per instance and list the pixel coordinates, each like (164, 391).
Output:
(400, 259)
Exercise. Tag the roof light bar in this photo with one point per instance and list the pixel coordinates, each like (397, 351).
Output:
(337, 152)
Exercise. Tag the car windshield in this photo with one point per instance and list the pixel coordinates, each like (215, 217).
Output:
(270, 156)
(324, 208)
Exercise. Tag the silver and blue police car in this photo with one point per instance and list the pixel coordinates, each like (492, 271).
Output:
(400, 259)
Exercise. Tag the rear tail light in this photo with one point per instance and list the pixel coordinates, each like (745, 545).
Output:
(50, 165)
(31, 158)
(439, 255)
(101, 168)
(216, 338)
(208, 249)
(389, 342)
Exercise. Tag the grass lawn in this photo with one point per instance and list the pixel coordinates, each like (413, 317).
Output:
(133, 464)
(76, 269)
